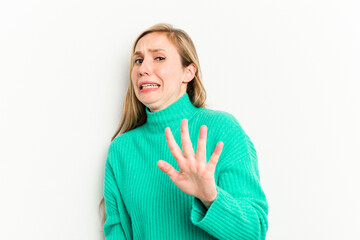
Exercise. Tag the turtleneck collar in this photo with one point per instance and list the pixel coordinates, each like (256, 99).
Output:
(171, 116)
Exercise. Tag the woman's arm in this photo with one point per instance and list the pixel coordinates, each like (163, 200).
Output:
(117, 219)
(240, 208)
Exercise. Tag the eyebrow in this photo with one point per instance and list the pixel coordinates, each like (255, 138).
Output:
(150, 50)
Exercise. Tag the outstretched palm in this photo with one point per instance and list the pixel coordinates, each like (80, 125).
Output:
(196, 176)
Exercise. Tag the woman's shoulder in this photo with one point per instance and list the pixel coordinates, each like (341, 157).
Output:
(226, 124)
(126, 136)
(218, 117)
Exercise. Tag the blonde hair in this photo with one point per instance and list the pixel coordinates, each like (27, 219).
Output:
(134, 114)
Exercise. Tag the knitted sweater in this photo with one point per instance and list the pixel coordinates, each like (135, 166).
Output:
(141, 201)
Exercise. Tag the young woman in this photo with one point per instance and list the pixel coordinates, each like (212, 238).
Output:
(178, 170)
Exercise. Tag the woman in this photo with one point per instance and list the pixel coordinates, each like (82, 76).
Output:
(156, 185)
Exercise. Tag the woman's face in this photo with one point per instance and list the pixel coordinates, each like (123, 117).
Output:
(156, 61)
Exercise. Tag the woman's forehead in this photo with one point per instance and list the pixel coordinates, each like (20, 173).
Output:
(154, 42)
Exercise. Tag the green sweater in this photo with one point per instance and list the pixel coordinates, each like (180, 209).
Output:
(141, 201)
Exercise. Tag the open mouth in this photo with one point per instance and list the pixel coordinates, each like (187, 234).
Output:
(145, 86)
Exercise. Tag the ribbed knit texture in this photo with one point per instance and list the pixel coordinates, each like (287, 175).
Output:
(141, 202)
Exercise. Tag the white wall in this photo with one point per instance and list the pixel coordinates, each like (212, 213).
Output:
(288, 70)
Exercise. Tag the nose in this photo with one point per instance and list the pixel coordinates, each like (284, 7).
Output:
(145, 68)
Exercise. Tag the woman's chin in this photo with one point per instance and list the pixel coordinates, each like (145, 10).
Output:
(150, 101)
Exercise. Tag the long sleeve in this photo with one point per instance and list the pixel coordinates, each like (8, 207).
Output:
(117, 219)
(240, 208)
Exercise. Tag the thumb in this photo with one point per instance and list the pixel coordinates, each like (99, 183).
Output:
(167, 168)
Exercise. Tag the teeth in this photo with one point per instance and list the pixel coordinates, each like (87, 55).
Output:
(149, 86)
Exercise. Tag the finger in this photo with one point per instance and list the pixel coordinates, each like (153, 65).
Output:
(173, 146)
(168, 169)
(185, 139)
(201, 147)
(215, 156)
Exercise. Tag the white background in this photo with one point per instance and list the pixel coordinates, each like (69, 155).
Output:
(288, 70)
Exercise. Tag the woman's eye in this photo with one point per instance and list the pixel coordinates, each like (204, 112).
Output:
(160, 58)
(137, 60)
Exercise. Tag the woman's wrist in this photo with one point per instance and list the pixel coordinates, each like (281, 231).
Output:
(207, 203)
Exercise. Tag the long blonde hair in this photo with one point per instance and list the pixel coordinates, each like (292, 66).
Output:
(134, 114)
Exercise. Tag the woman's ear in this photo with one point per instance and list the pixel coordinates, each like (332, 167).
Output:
(190, 72)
